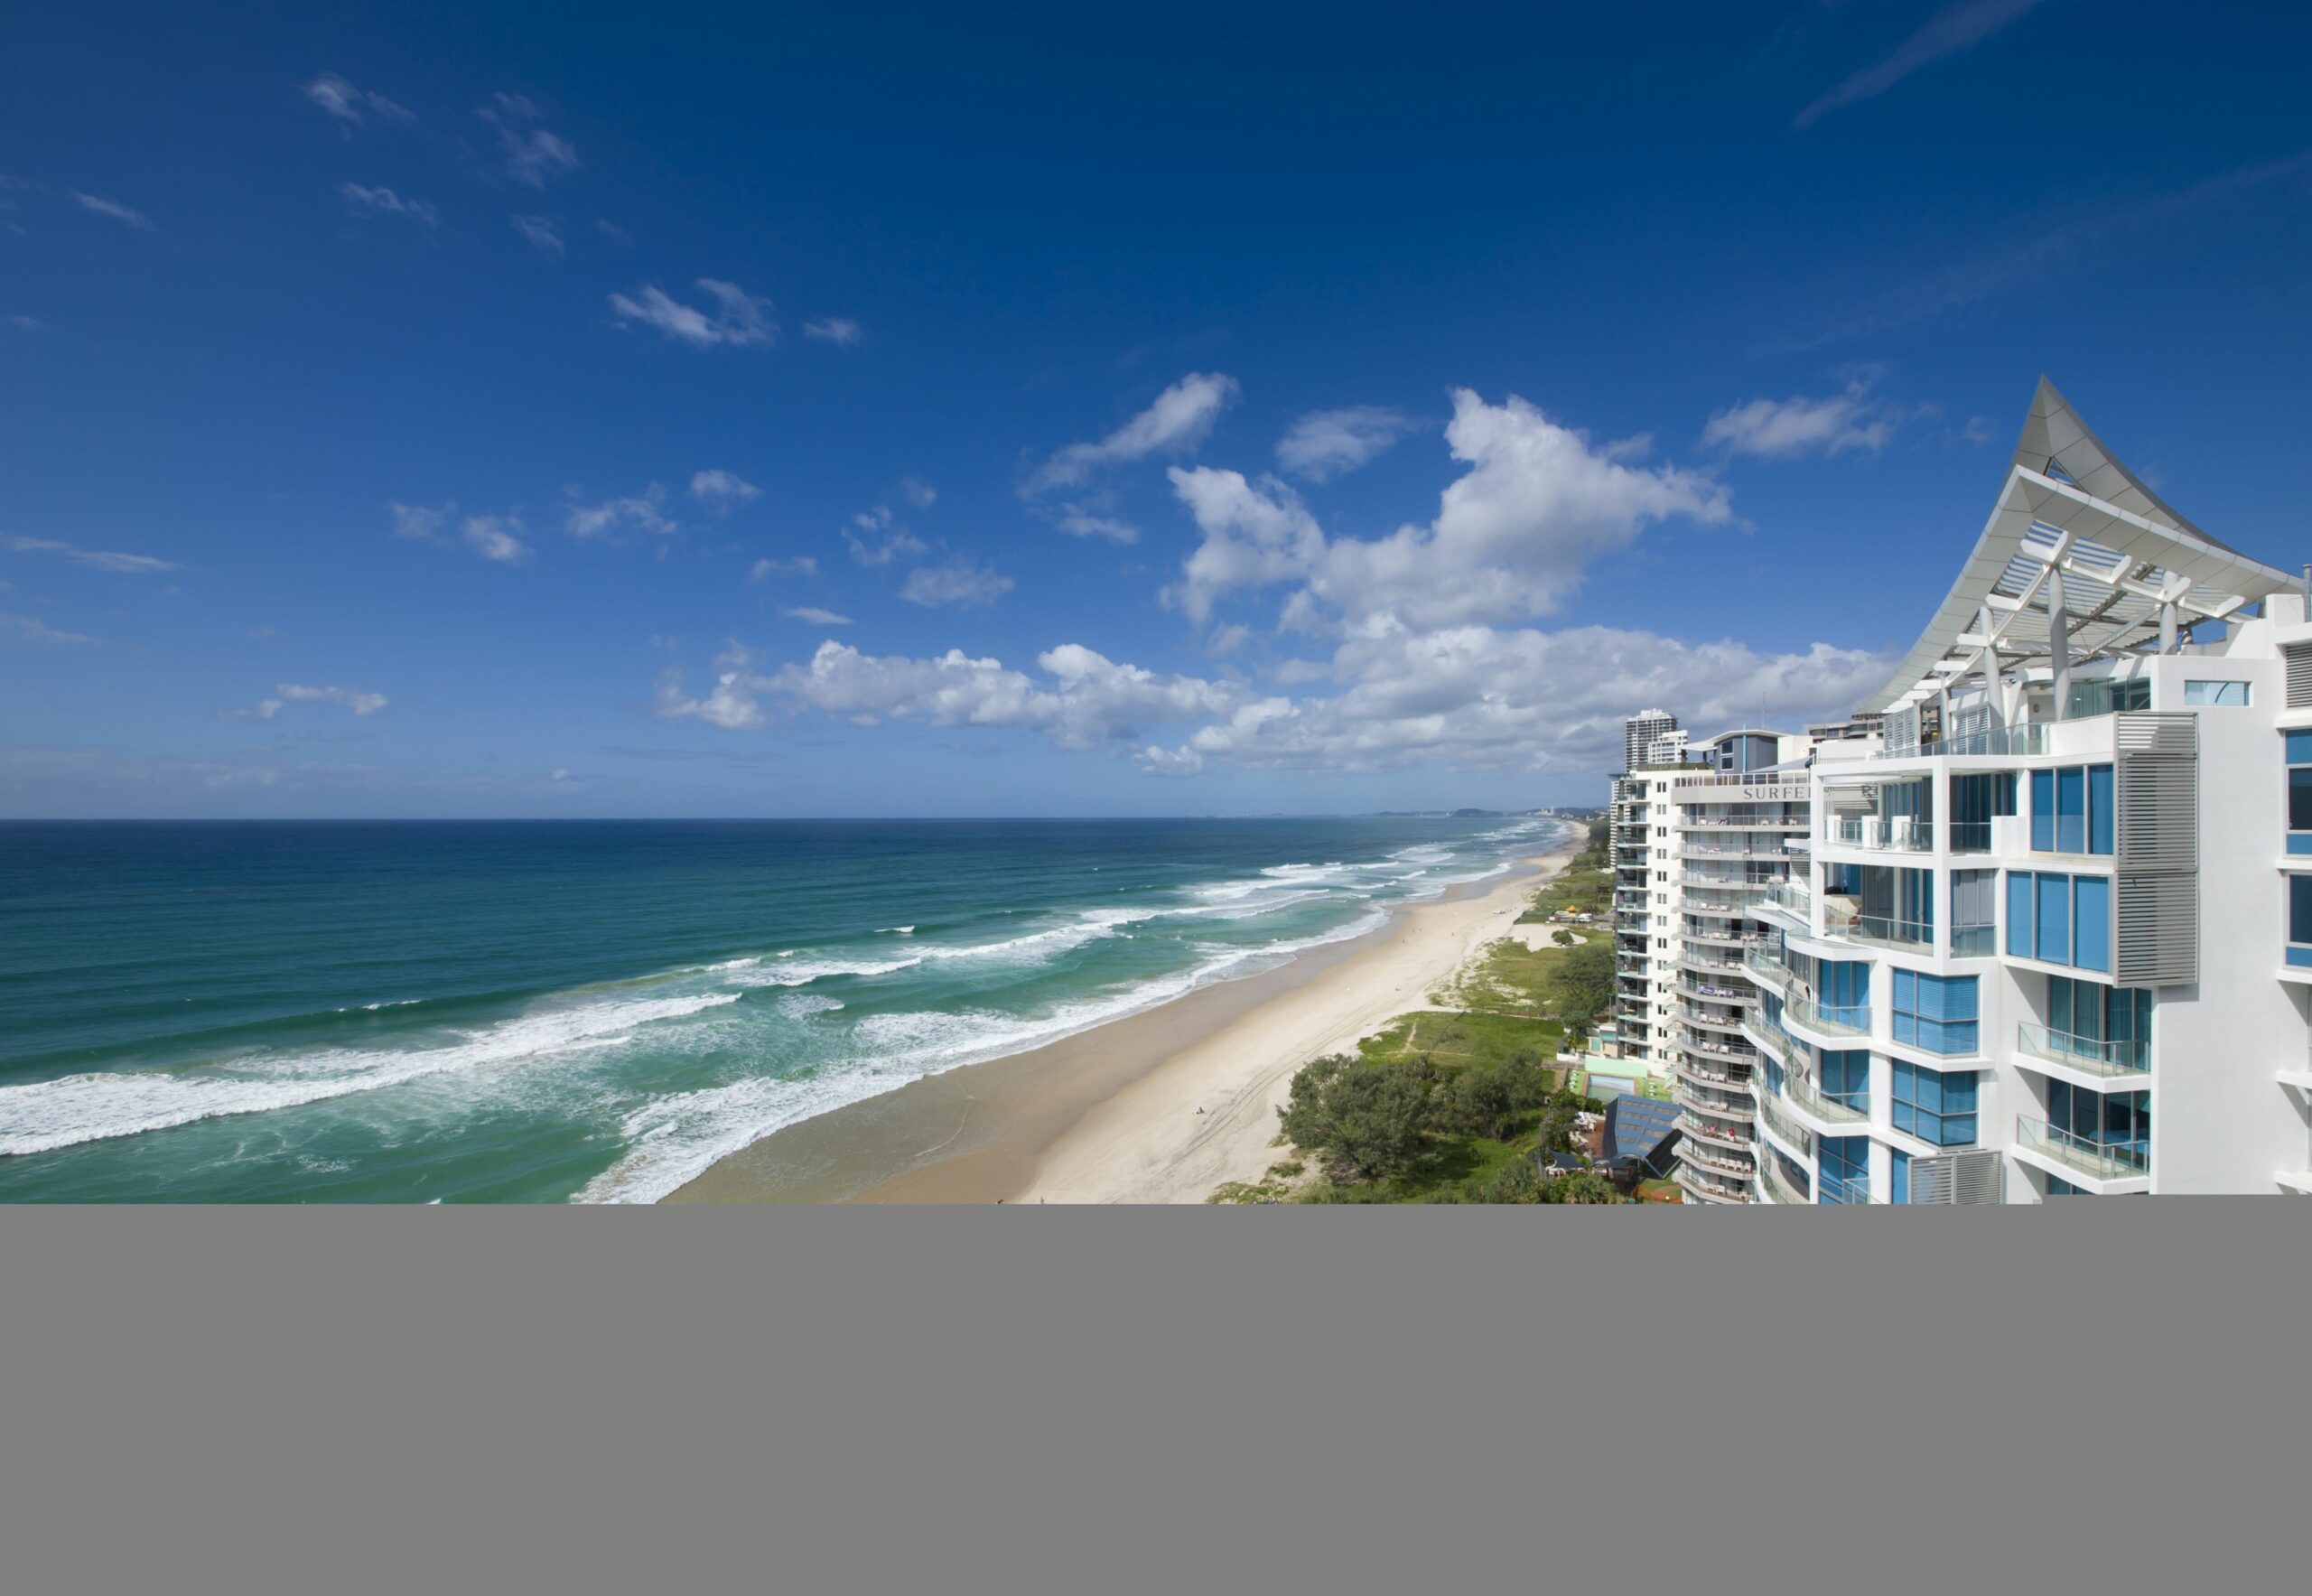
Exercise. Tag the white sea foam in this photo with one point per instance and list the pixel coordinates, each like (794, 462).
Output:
(792, 971)
(802, 1005)
(76, 1109)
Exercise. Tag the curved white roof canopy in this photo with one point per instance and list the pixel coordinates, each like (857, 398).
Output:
(2068, 505)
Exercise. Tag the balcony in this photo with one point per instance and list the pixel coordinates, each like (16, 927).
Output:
(2098, 1161)
(1701, 1100)
(1778, 1185)
(1842, 1190)
(1713, 1158)
(1710, 992)
(2004, 742)
(1899, 834)
(1801, 1093)
(2105, 1061)
(1720, 1078)
(1764, 966)
(1717, 1135)
(1742, 823)
(1794, 1136)
(1709, 1185)
(1761, 1034)
(1836, 1023)
(1843, 921)
(1973, 941)
(1769, 852)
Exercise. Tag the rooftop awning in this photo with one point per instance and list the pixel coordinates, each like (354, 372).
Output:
(2068, 505)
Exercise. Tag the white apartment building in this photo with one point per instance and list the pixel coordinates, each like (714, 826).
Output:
(1639, 733)
(2054, 935)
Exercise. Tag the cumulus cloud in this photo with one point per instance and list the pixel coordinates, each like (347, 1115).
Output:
(1326, 443)
(1512, 537)
(497, 538)
(530, 153)
(115, 210)
(839, 331)
(956, 581)
(876, 541)
(541, 232)
(1078, 521)
(814, 616)
(1180, 419)
(96, 559)
(1792, 428)
(1958, 26)
(29, 628)
(379, 201)
(351, 106)
(1083, 700)
(722, 491)
(738, 319)
(769, 570)
(613, 519)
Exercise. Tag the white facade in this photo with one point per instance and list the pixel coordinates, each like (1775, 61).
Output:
(1639, 732)
(2054, 935)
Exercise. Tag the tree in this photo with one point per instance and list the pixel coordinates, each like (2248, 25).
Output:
(1587, 1187)
(1483, 1098)
(1367, 1121)
(1519, 1181)
(1583, 983)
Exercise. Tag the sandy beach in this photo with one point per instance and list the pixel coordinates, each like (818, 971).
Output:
(1163, 1106)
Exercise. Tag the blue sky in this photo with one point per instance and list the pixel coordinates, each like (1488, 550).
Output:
(1039, 411)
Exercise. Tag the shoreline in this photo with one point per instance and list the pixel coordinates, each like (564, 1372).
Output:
(1110, 1115)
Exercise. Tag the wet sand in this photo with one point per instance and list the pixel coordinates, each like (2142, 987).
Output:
(1111, 1115)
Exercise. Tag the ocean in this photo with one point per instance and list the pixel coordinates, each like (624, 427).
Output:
(547, 1011)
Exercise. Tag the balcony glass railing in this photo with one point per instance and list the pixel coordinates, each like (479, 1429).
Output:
(1710, 1186)
(1764, 966)
(2104, 1160)
(1724, 1104)
(1970, 836)
(2005, 740)
(1837, 1190)
(1791, 1133)
(1801, 1091)
(1973, 941)
(2108, 1060)
(1850, 1021)
(1778, 1184)
(1883, 930)
(1900, 833)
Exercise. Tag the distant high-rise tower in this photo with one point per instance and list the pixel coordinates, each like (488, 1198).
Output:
(1639, 731)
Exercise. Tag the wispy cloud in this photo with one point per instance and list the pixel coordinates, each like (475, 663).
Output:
(541, 232)
(26, 324)
(613, 518)
(1325, 443)
(353, 698)
(769, 570)
(1179, 420)
(815, 616)
(722, 491)
(1960, 25)
(839, 331)
(876, 540)
(28, 629)
(96, 559)
(364, 200)
(497, 538)
(957, 581)
(739, 320)
(115, 210)
(1798, 426)
(531, 154)
(351, 106)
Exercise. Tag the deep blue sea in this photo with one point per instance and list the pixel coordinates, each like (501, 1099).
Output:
(596, 1011)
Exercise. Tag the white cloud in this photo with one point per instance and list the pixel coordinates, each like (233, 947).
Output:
(541, 231)
(418, 520)
(1958, 26)
(116, 210)
(1078, 522)
(612, 518)
(1173, 761)
(1789, 429)
(560, 776)
(739, 319)
(96, 559)
(31, 630)
(351, 106)
(722, 491)
(353, 698)
(885, 541)
(497, 538)
(1180, 419)
(26, 324)
(1512, 537)
(532, 154)
(1325, 443)
(769, 570)
(385, 202)
(917, 492)
(815, 616)
(956, 581)
(839, 331)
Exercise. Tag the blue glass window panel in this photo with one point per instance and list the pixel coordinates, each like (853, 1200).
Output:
(2299, 747)
(1898, 1175)
(2071, 810)
(2092, 923)
(2099, 809)
(1905, 1005)
(2301, 958)
(2054, 905)
(2043, 811)
(1846, 1078)
(2300, 908)
(2299, 799)
(2019, 913)
(2300, 841)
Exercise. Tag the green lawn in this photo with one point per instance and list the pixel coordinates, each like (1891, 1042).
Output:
(1458, 1038)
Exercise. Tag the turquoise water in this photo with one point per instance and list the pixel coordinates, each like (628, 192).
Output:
(542, 1012)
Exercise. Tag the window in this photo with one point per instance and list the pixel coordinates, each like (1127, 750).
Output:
(1898, 1175)
(2299, 791)
(1846, 1078)
(1844, 1168)
(2100, 1022)
(1842, 993)
(1974, 800)
(2059, 919)
(2226, 695)
(1974, 912)
(1935, 1106)
(2071, 809)
(2118, 1123)
(2299, 920)
(1936, 1012)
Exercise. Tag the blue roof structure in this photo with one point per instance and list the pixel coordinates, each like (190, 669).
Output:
(1636, 1127)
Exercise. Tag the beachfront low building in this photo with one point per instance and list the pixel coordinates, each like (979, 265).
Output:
(2054, 935)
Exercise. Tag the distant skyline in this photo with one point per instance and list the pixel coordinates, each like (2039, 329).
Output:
(1046, 412)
